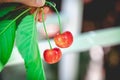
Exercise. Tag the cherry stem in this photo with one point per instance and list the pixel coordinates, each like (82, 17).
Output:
(45, 28)
(59, 20)
(35, 14)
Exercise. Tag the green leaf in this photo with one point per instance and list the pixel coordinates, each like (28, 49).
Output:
(5, 10)
(1, 66)
(26, 40)
(6, 42)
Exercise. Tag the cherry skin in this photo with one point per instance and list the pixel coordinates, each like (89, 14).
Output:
(52, 56)
(64, 40)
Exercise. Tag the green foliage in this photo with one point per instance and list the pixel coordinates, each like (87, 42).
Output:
(6, 42)
(26, 40)
(12, 19)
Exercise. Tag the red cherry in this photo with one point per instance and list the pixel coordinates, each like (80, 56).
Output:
(63, 40)
(52, 56)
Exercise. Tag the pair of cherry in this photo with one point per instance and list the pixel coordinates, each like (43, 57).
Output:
(62, 40)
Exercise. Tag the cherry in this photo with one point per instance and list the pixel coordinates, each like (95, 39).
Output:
(63, 40)
(52, 56)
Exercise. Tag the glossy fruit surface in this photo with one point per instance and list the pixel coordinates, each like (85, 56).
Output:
(64, 40)
(52, 56)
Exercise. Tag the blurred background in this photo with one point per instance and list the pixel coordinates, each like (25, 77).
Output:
(95, 53)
